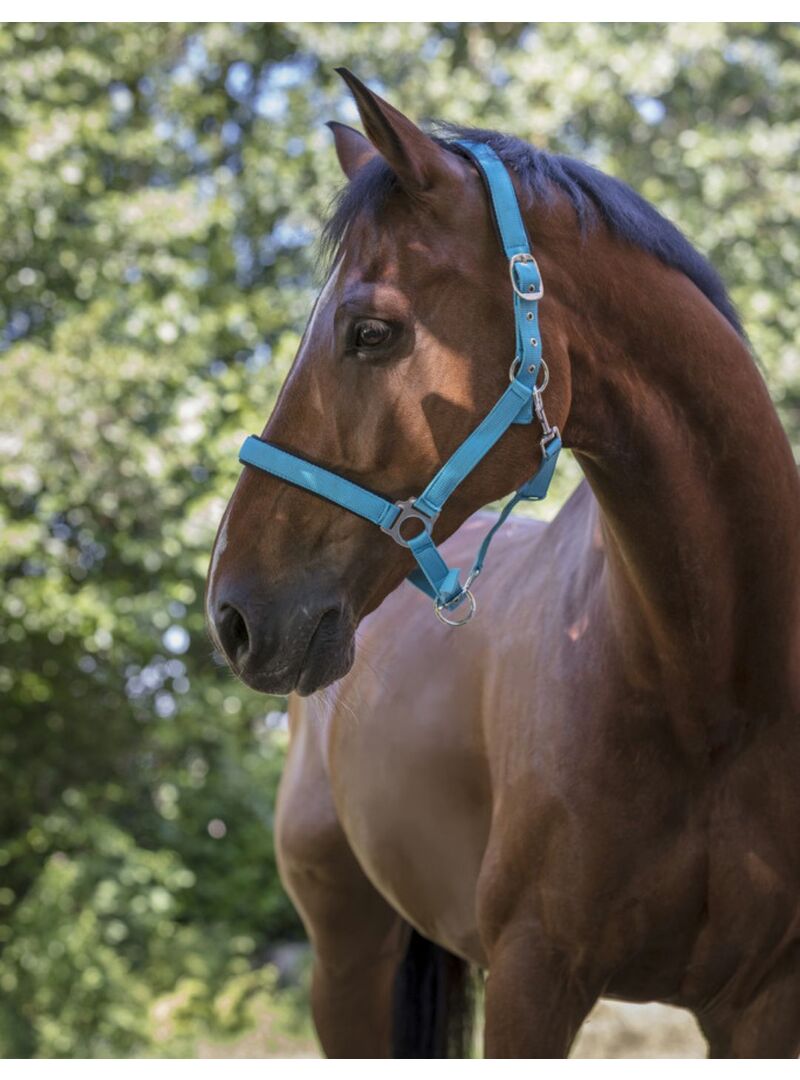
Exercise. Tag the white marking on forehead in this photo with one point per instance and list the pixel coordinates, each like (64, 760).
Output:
(322, 300)
(222, 536)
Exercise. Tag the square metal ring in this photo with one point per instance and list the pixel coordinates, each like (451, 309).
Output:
(408, 513)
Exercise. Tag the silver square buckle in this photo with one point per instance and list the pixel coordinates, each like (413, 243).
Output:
(525, 257)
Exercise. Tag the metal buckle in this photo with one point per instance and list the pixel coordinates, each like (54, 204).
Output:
(408, 512)
(525, 257)
(456, 602)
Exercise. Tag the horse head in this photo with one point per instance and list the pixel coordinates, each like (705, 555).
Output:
(407, 349)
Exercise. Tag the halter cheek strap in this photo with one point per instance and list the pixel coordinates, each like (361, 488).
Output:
(410, 522)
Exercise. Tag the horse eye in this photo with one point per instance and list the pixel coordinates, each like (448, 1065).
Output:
(370, 333)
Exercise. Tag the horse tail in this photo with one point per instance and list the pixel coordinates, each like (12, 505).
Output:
(433, 1003)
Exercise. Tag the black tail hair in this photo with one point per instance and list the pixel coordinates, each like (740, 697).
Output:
(433, 1003)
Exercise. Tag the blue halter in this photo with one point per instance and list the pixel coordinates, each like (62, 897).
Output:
(517, 405)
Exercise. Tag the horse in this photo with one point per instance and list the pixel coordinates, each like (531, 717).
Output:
(591, 788)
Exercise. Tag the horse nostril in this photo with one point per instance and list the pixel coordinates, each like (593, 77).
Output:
(233, 635)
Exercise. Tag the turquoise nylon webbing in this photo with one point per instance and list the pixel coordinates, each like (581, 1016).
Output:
(515, 405)
(525, 274)
(317, 480)
(474, 448)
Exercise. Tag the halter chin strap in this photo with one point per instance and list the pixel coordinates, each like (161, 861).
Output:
(519, 404)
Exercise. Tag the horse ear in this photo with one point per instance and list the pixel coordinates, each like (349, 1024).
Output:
(418, 161)
(352, 149)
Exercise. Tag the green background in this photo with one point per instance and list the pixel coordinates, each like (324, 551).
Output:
(162, 186)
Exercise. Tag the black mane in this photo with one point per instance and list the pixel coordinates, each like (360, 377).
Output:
(590, 191)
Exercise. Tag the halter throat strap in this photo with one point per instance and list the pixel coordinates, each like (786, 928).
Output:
(410, 522)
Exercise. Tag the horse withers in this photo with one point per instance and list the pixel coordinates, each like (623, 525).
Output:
(591, 788)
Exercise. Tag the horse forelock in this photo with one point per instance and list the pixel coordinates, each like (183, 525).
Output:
(594, 195)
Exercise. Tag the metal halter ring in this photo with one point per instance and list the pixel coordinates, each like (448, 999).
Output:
(542, 367)
(525, 257)
(456, 602)
(513, 371)
(408, 513)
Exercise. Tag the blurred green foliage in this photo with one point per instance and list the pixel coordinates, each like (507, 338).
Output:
(161, 189)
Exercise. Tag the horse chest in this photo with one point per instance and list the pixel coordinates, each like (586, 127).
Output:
(416, 815)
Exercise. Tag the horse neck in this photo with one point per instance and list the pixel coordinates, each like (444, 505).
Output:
(698, 494)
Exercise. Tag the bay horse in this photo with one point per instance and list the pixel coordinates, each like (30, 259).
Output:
(594, 786)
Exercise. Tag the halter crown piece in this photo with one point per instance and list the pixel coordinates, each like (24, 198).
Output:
(519, 404)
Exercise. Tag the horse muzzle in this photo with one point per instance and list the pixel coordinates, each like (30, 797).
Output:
(289, 641)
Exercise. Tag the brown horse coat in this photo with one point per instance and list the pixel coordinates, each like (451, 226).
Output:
(593, 787)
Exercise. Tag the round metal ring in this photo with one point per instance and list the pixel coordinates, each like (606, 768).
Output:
(543, 367)
(440, 608)
(515, 366)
